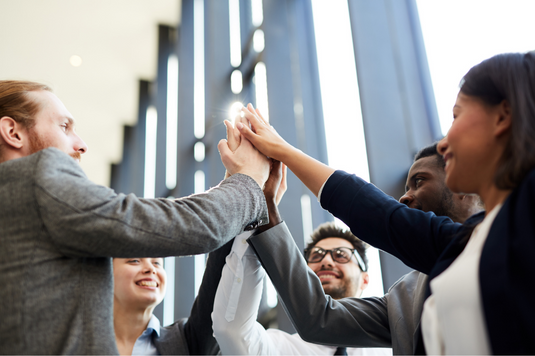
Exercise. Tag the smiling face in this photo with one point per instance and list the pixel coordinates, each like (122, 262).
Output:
(339, 280)
(139, 282)
(54, 127)
(474, 145)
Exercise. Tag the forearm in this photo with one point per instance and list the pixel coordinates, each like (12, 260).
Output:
(117, 225)
(236, 306)
(317, 317)
(310, 171)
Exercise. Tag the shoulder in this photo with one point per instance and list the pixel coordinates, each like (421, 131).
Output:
(172, 340)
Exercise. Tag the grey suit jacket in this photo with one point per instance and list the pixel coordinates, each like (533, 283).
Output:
(389, 321)
(58, 231)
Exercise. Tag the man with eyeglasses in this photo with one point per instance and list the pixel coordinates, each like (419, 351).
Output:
(335, 255)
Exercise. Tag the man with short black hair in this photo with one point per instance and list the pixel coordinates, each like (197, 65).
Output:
(389, 321)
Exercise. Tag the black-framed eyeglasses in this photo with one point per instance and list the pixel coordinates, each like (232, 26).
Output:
(339, 254)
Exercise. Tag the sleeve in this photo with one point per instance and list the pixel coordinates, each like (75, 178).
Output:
(415, 237)
(236, 305)
(317, 317)
(198, 328)
(84, 219)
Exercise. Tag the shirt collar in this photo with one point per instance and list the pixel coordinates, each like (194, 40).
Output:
(154, 325)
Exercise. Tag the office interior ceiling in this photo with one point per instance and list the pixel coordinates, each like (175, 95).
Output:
(117, 43)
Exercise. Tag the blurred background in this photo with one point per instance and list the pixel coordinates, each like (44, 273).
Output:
(360, 85)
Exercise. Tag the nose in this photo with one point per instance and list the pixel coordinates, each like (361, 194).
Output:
(442, 146)
(406, 199)
(149, 268)
(79, 145)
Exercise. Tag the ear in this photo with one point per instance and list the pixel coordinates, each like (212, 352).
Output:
(12, 133)
(365, 278)
(504, 119)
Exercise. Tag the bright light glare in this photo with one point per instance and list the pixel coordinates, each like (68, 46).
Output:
(199, 151)
(488, 27)
(346, 145)
(198, 69)
(236, 81)
(257, 12)
(76, 61)
(260, 80)
(150, 152)
(235, 35)
(258, 41)
(235, 110)
(172, 122)
(169, 300)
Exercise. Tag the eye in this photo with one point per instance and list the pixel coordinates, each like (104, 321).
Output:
(64, 126)
(418, 182)
(133, 261)
(157, 263)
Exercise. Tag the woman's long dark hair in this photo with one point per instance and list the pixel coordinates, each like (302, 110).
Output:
(510, 77)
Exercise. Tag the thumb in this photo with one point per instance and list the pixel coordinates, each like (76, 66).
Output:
(224, 150)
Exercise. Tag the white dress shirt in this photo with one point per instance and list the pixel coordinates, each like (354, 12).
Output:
(453, 322)
(236, 308)
(144, 344)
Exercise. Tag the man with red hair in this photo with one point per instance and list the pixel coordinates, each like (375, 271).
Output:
(58, 230)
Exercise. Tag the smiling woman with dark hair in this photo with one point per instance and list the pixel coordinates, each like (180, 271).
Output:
(481, 288)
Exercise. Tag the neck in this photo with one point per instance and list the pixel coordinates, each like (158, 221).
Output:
(492, 196)
(129, 323)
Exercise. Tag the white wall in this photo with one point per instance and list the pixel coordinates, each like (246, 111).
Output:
(117, 41)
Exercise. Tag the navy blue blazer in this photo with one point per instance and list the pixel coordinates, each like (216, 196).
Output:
(430, 243)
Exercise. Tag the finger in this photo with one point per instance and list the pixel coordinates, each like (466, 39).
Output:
(233, 136)
(253, 119)
(224, 150)
(283, 184)
(246, 132)
(260, 116)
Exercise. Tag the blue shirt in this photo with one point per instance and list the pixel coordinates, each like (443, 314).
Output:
(144, 344)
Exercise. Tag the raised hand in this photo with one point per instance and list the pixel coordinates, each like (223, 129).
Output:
(262, 135)
(245, 159)
(310, 171)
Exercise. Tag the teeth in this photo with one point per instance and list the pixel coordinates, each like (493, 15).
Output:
(147, 283)
(327, 276)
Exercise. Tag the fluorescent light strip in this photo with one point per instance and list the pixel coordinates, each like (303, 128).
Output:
(306, 216)
(257, 12)
(169, 300)
(260, 81)
(258, 41)
(172, 122)
(200, 266)
(198, 69)
(150, 152)
(199, 151)
(236, 81)
(198, 182)
(235, 35)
